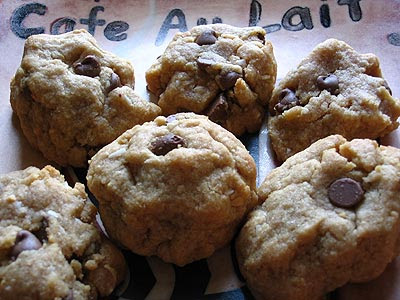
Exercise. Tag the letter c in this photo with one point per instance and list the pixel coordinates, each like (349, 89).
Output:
(19, 15)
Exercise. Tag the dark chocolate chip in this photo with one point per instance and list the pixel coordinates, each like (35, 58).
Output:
(41, 234)
(204, 62)
(287, 100)
(329, 83)
(345, 192)
(24, 240)
(207, 37)
(114, 82)
(386, 85)
(228, 80)
(89, 66)
(218, 109)
(261, 37)
(164, 144)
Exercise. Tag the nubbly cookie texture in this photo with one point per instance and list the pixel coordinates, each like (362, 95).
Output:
(72, 97)
(177, 187)
(334, 90)
(330, 216)
(50, 246)
(221, 71)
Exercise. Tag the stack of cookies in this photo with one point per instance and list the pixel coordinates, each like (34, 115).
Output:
(173, 180)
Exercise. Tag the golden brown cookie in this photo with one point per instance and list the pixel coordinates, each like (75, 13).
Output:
(177, 187)
(72, 97)
(218, 70)
(334, 90)
(50, 247)
(330, 216)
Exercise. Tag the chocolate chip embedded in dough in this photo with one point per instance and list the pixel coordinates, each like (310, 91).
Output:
(287, 100)
(89, 66)
(261, 37)
(207, 37)
(41, 234)
(24, 240)
(218, 109)
(228, 80)
(164, 144)
(345, 192)
(329, 82)
(114, 82)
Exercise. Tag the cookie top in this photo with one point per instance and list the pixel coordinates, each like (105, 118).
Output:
(50, 247)
(330, 216)
(72, 97)
(177, 187)
(218, 70)
(334, 90)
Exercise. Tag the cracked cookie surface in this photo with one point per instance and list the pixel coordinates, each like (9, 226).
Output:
(72, 97)
(177, 187)
(50, 246)
(301, 242)
(222, 71)
(334, 90)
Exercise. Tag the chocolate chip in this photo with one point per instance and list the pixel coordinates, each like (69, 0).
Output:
(345, 192)
(261, 37)
(114, 82)
(24, 240)
(329, 83)
(287, 100)
(164, 144)
(41, 234)
(204, 62)
(207, 37)
(89, 66)
(227, 80)
(386, 85)
(218, 109)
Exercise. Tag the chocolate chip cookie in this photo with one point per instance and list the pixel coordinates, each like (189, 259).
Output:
(330, 216)
(221, 71)
(50, 247)
(72, 97)
(334, 90)
(176, 187)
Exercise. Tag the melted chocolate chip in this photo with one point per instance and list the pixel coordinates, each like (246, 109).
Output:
(345, 192)
(386, 85)
(329, 83)
(164, 144)
(89, 66)
(218, 109)
(228, 80)
(287, 100)
(207, 37)
(24, 240)
(114, 82)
